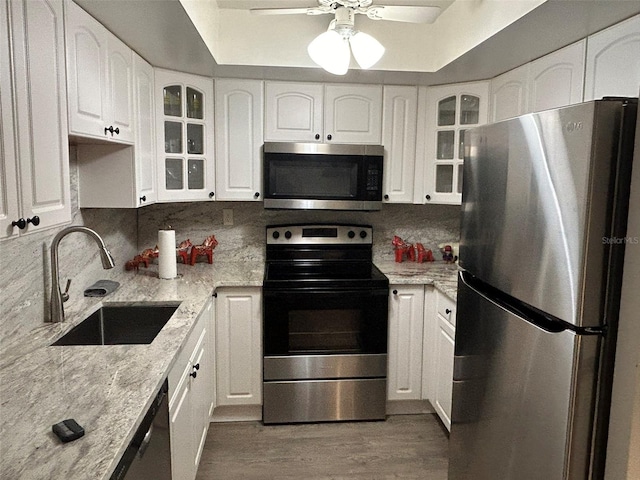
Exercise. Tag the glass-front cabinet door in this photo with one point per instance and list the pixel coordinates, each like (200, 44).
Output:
(185, 137)
(447, 112)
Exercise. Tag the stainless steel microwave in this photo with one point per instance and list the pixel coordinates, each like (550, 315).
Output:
(322, 176)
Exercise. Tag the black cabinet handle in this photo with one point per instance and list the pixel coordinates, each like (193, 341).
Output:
(197, 366)
(395, 292)
(112, 130)
(215, 295)
(143, 198)
(256, 195)
(35, 220)
(447, 311)
(317, 136)
(386, 197)
(193, 374)
(329, 137)
(428, 197)
(21, 223)
(211, 194)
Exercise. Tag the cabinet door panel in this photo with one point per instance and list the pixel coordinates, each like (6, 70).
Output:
(444, 371)
(238, 126)
(406, 309)
(181, 431)
(40, 92)
(613, 62)
(353, 114)
(509, 94)
(120, 67)
(293, 112)
(238, 351)
(145, 132)
(399, 140)
(86, 62)
(556, 80)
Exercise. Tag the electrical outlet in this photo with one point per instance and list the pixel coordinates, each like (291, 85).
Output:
(227, 216)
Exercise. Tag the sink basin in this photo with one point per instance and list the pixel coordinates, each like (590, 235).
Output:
(129, 324)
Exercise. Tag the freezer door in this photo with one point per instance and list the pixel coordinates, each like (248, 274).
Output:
(537, 205)
(522, 396)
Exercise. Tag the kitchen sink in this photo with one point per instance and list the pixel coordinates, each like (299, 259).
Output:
(129, 324)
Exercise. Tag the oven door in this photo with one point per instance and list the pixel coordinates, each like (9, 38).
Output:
(325, 322)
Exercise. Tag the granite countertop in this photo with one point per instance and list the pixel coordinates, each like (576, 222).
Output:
(106, 389)
(444, 276)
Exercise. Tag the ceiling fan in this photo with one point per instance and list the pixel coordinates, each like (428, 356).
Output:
(396, 13)
(332, 49)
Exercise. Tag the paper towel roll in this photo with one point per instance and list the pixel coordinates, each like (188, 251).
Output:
(167, 254)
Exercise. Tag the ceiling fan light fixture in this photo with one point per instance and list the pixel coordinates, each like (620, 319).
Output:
(366, 50)
(331, 51)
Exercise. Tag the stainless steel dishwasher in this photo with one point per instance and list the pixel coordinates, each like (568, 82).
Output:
(148, 456)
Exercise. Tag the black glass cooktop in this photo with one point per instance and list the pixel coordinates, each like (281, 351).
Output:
(325, 273)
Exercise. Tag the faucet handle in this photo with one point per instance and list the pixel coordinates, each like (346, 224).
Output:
(65, 295)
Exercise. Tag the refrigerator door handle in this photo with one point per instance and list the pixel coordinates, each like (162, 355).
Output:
(520, 309)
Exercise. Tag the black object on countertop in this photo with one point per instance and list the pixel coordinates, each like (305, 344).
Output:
(101, 288)
(68, 430)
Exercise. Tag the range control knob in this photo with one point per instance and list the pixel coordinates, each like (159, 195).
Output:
(351, 234)
(287, 234)
(276, 235)
(363, 234)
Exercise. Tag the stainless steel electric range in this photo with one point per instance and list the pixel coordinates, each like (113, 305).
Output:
(325, 325)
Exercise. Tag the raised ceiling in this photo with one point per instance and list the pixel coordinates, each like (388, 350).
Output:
(470, 40)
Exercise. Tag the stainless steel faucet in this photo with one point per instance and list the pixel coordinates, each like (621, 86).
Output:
(57, 297)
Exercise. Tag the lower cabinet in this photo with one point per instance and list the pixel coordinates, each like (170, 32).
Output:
(442, 351)
(238, 349)
(191, 394)
(406, 319)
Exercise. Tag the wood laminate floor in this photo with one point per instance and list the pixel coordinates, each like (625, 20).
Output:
(402, 447)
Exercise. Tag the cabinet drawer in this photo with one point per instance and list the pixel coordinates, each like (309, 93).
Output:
(446, 308)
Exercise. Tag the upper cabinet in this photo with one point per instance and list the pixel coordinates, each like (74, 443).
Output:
(556, 80)
(613, 61)
(238, 136)
(184, 132)
(34, 185)
(301, 112)
(509, 94)
(399, 116)
(145, 131)
(445, 113)
(100, 80)
(293, 112)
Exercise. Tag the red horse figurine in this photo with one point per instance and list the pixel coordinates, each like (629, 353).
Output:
(183, 250)
(205, 249)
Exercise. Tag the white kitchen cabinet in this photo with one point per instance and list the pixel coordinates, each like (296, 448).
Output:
(100, 80)
(445, 112)
(406, 313)
(443, 327)
(332, 113)
(238, 138)
(190, 398)
(34, 185)
(185, 136)
(293, 112)
(238, 346)
(556, 80)
(145, 131)
(613, 61)
(510, 94)
(399, 117)
(123, 176)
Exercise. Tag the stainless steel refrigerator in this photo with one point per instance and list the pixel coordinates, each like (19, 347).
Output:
(545, 203)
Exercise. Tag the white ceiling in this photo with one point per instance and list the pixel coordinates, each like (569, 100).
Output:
(470, 40)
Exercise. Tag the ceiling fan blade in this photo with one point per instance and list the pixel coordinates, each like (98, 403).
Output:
(403, 13)
(288, 11)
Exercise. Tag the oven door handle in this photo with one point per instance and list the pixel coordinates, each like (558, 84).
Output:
(321, 292)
